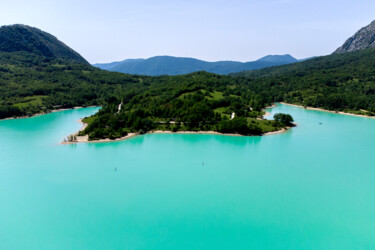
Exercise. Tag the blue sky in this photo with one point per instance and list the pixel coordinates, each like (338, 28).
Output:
(113, 30)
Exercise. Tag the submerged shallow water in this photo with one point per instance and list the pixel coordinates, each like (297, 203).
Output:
(309, 188)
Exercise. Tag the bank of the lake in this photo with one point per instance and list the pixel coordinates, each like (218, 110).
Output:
(85, 138)
(47, 112)
(326, 110)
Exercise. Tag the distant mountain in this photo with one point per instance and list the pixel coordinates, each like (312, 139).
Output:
(278, 59)
(23, 38)
(363, 39)
(168, 65)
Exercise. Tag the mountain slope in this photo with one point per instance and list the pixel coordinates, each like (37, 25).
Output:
(16, 38)
(167, 65)
(363, 39)
(344, 82)
(38, 73)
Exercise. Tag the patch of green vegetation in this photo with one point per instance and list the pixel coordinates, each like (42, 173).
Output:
(184, 95)
(223, 111)
(265, 125)
(336, 82)
(36, 100)
(215, 95)
(89, 120)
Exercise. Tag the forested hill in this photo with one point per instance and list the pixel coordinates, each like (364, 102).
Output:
(336, 82)
(38, 73)
(168, 65)
(18, 37)
(30, 83)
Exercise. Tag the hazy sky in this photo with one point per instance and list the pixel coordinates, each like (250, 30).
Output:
(244, 30)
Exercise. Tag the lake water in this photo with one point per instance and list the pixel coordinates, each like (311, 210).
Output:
(312, 187)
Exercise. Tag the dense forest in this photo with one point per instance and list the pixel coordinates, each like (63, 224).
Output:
(30, 84)
(199, 101)
(339, 82)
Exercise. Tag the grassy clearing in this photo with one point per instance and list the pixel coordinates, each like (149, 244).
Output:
(59, 65)
(223, 111)
(216, 95)
(30, 100)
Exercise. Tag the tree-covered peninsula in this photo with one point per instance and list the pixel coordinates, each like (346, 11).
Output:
(196, 102)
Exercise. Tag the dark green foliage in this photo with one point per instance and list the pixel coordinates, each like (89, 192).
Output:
(238, 125)
(112, 125)
(285, 119)
(342, 82)
(62, 84)
(19, 37)
(179, 103)
(9, 111)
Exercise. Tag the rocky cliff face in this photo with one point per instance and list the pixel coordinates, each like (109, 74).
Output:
(363, 39)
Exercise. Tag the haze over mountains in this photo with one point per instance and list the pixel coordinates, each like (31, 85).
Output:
(168, 65)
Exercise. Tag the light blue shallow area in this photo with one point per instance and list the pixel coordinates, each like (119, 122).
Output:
(312, 187)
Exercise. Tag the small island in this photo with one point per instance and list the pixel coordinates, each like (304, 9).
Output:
(200, 111)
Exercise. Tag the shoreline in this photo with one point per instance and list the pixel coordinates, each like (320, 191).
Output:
(85, 139)
(45, 113)
(268, 107)
(326, 110)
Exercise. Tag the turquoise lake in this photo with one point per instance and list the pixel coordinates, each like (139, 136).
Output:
(312, 187)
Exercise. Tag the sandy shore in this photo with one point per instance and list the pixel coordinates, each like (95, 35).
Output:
(269, 107)
(325, 110)
(85, 139)
(266, 114)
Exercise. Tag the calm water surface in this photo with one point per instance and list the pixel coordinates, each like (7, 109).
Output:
(310, 188)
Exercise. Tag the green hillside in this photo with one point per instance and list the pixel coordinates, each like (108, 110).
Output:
(342, 82)
(20, 37)
(30, 84)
